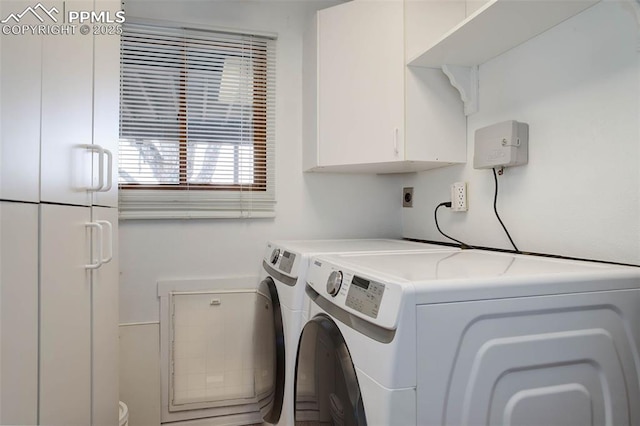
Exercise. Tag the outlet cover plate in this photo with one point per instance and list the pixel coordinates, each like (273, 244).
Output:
(407, 197)
(459, 197)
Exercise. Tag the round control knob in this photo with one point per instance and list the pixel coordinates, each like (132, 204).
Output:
(275, 254)
(334, 282)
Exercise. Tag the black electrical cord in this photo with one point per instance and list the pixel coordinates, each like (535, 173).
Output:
(495, 209)
(435, 214)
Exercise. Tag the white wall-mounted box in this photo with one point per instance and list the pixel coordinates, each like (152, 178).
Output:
(503, 144)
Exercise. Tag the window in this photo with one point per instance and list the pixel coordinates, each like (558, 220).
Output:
(196, 123)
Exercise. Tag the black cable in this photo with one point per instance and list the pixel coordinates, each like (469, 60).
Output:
(495, 209)
(435, 214)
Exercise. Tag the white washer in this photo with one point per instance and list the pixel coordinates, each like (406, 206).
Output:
(283, 274)
(469, 338)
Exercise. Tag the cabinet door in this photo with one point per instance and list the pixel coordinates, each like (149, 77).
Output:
(67, 113)
(65, 315)
(360, 83)
(20, 64)
(106, 102)
(105, 324)
(18, 313)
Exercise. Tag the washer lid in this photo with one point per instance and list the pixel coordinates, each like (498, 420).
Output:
(476, 274)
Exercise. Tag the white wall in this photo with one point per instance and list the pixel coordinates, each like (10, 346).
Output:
(309, 205)
(577, 86)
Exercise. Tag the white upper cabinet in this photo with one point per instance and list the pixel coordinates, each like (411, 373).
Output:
(59, 94)
(106, 109)
(20, 62)
(359, 97)
(67, 115)
(360, 72)
(80, 76)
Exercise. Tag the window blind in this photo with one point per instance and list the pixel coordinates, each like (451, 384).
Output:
(196, 123)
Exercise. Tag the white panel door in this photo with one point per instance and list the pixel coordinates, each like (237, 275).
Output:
(65, 315)
(361, 83)
(105, 322)
(18, 313)
(67, 113)
(20, 64)
(106, 103)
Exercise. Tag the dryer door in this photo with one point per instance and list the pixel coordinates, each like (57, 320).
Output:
(269, 351)
(326, 386)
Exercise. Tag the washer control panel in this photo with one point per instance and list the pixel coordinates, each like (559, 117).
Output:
(365, 296)
(286, 263)
(369, 297)
(281, 259)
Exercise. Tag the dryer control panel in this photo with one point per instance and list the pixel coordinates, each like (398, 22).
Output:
(369, 297)
(365, 296)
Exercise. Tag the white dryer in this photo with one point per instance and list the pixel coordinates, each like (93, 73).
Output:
(469, 338)
(283, 274)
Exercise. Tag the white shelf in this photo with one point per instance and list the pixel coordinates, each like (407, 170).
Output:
(495, 28)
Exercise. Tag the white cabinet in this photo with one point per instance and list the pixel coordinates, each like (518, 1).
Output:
(59, 271)
(19, 111)
(104, 308)
(18, 313)
(78, 315)
(65, 315)
(67, 100)
(78, 110)
(105, 279)
(106, 107)
(360, 100)
(359, 74)
(59, 94)
(79, 283)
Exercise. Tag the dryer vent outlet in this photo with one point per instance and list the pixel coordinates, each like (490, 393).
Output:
(459, 197)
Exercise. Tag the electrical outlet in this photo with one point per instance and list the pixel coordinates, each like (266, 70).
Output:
(407, 197)
(459, 197)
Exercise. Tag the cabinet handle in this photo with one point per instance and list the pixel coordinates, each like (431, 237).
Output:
(98, 263)
(108, 225)
(107, 188)
(100, 151)
(395, 141)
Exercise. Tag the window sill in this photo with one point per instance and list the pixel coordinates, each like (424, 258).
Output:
(152, 215)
